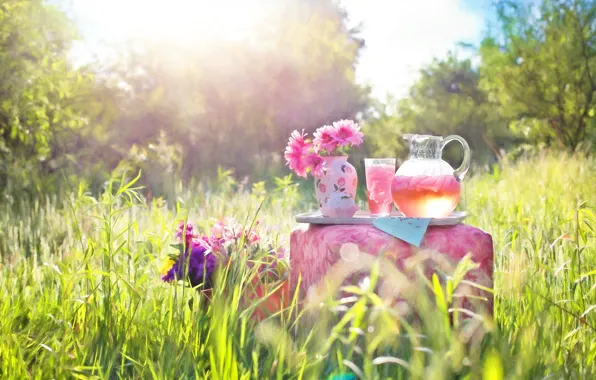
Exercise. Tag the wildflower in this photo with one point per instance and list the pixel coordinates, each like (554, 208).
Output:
(272, 259)
(230, 234)
(217, 245)
(187, 230)
(201, 265)
(347, 133)
(196, 267)
(170, 275)
(166, 266)
(252, 237)
(202, 241)
(217, 229)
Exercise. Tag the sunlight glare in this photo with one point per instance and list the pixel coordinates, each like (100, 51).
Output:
(176, 20)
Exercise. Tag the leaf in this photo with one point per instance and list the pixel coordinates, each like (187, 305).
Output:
(129, 184)
(354, 368)
(390, 359)
(588, 310)
(178, 247)
(440, 297)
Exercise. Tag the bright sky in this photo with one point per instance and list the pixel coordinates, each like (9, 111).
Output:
(401, 35)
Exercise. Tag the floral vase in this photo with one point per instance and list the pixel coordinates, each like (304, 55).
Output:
(339, 176)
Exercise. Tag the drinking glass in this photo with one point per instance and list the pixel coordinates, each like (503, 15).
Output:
(379, 175)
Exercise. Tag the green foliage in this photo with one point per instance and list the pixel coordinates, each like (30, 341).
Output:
(535, 84)
(171, 108)
(234, 103)
(445, 100)
(540, 69)
(83, 296)
(39, 92)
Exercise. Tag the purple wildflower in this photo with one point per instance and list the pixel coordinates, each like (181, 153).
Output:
(171, 275)
(199, 265)
(272, 260)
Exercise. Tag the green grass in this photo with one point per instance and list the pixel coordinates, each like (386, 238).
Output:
(82, 296)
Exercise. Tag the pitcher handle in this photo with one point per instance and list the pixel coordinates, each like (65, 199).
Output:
(460, 172)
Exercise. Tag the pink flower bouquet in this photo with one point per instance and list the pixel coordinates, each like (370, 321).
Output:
(326, 158)
(304, 155)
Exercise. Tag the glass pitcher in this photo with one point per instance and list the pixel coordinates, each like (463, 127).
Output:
(425, 186)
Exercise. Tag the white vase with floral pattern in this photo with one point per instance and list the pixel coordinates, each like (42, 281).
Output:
(339, 176)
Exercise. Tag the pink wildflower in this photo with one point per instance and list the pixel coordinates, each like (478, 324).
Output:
(347, 133)
(217, 229)
(228, 234)
(252, 237)
(186, 232)
(202, 241)
(325, 139)
(232, 231)
(217, 245)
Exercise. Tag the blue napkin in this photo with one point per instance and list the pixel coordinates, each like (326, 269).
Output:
(410, 230)
(343, 376)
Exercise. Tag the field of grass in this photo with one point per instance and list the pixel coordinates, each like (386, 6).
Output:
(82, 295)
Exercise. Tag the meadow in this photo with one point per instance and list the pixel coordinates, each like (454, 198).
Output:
(82, 295)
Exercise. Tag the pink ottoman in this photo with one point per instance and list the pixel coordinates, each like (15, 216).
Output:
(315, 248)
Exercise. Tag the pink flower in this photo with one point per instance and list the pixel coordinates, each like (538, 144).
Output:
(202, 241)
(217, 245)
(231, 233)
(315, 164)
(217, 229)
(186, 230)
(325, 139)
(347, 133)
(297, 153)
(322, 188)
(341, 182)
(252, 237)
(281, 253)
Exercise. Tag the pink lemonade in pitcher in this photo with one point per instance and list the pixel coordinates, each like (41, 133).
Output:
(426, 196)
(379, 174)
(425, 186)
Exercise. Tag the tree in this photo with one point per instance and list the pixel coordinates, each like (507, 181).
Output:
(445, 100)
(39, 91)
(234, 104)
(541, 69)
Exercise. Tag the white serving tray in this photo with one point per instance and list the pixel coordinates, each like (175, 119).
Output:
(364, 217)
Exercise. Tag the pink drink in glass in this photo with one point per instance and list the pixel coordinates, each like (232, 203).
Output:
(379, 174)
(425, 196)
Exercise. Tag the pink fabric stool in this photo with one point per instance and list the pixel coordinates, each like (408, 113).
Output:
(315, 248)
